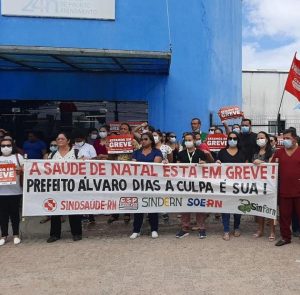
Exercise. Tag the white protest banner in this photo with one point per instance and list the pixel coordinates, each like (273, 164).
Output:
(106, 187)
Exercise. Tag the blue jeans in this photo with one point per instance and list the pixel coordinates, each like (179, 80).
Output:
(226, 219)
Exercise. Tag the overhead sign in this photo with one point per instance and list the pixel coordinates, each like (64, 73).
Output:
(86, 9)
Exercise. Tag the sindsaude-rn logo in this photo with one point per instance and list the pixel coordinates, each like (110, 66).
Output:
(246, 207)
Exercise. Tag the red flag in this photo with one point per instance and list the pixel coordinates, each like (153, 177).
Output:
(293, 81)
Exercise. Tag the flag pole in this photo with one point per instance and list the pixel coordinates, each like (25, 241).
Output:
(278, 113)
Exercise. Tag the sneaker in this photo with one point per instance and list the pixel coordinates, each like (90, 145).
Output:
(2, 241)
(226, 236)
(202, 234)
(296, 234)
(154, 234)
(236, 233)
(182, 234)
(134, 236)
(17, 240)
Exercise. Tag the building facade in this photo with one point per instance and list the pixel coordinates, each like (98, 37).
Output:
(181, 58)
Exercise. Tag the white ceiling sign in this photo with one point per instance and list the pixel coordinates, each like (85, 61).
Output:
(86, 9)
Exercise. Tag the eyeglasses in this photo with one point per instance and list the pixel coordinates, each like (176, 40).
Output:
(124, 129)
(145, 139)
(172, 136)
(6, 145)
(61, 138)
(272, 140)
(233, 138)
(211, 129)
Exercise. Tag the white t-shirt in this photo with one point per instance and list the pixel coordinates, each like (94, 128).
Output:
(86, 150)
(12, 189)
(69, 156)
(165, 150)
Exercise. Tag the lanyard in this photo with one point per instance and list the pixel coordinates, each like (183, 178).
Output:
(190, 156)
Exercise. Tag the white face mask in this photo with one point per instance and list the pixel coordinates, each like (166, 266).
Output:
(211, 132)
(237, 130)
(53, 148)
(189, 144)
(261, 142)
(156, 139)
(173, 139)
(103, 134)
(79, 144)
(198, 142)
(6, 151)
(94, 136)
(232, 143)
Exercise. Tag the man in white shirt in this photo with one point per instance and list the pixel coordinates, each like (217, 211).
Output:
(85, 150)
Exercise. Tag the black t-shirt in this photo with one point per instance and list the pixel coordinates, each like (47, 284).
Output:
(248, 144)
(196, 156)
(225, 157)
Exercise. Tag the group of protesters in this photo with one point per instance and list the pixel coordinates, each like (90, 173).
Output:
(153, 146)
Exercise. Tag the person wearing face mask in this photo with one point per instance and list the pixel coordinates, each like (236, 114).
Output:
(140, 129)
(124, 129)
(93, 135)
(172, 143)
(247, 139)
(191, 155)
(165, 149)
(273, 142)
(10, 195)
(149, 154)
(231, 154)
(101, 143)
(289, 183)
(52, 149)
(263, 154)
(85, 150)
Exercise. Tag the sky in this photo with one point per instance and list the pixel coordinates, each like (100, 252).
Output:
(271, 33)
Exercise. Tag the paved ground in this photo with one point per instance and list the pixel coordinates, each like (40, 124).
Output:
(106, 261)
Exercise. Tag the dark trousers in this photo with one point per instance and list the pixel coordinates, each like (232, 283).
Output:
(138, 221)
(286, 208)
(295, 223)
(226, 220)
(10, 209)
(75, 224)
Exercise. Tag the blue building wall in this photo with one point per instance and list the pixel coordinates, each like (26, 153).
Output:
(205, 71)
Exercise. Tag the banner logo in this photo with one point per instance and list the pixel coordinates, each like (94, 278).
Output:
(128, 203)
(50, 205)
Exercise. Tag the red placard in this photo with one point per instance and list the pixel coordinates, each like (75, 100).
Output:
(115, 126)
(230, 112)
(216, 142)
(8, 174)
(119, 144)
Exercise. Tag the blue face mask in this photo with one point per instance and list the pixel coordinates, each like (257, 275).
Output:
(232, 143)
(245, 129)
(237, 130)
(287, 143)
